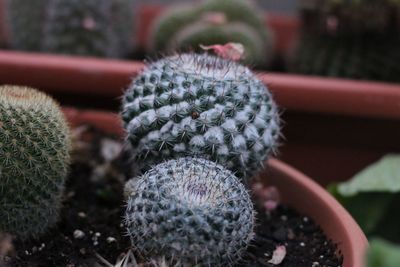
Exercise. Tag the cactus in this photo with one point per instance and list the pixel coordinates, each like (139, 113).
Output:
(79, 27)
(207, 34)
(191, 211)
(368, 57)
(26, 23)
(34, 153)
(338, 41)
(201, 105)
(186, 21)
(92, 27)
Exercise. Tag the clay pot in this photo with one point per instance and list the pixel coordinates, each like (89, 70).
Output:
(296, 189)
(333, 127)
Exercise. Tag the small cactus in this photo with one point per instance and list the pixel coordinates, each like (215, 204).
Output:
(34, 157)
(90, 28)
(25, 22)
(339, 41)
(185, 28)
(197, 104)
(207, 34)
(191, 211)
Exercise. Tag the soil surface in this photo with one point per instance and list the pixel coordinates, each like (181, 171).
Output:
(90, 232)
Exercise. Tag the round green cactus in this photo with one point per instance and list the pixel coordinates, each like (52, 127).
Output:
(191, 211)
(25, 22)
(34, 153)
(208, 34)
(79, 27)
(339, 41)
(242, 23)
(91, 28)
(197, 104)
(368, 57)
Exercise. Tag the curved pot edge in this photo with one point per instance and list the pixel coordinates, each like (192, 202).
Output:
(294, 186)
(315, 201)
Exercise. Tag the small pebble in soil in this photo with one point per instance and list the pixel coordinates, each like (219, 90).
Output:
(78, 234)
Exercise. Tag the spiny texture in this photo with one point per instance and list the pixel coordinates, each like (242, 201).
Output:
(91, 27)
(368, 57)
(207, 34)
(34, 156)
(180, 21)
(195, 104)
(190, 210)
(79, 27)
(25, 20)
(351, 39)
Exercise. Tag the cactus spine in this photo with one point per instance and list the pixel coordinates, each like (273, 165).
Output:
(191, 210)
(201, 105)
(34, 153)
(192, 111)
(91, 28)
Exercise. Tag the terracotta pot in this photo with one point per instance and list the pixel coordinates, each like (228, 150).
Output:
(297, 190)
(333, 128)
(284, 27)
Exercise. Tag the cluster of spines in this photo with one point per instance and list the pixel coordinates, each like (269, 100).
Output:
(229, 118)
(191, 211)
(34, 148)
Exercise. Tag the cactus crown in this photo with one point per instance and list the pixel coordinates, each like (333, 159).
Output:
(190, 210)
(34, 148)
(195, 104)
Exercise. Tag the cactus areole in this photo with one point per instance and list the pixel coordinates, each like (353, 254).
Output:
(34, 157)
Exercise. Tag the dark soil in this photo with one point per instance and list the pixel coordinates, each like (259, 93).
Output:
(90, 231)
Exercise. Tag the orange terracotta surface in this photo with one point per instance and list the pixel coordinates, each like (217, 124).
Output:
(296, 189)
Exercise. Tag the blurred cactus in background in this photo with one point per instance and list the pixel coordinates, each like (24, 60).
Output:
(34, 158)
(350, 39)
(91, 28)
(25, 20)
(214, 21)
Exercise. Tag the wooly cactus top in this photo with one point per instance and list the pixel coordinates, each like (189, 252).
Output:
(201, 105)
(191, 211)
(34, 157)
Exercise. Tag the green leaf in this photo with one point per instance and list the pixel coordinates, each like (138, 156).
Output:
(383, 254)
(382, 176)
(372, 196)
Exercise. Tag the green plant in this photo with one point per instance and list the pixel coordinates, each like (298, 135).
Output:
(34, 157)
(194, 104)
(221, 21)
(207, 34)
(373, 197)
(26, 23)
(383, 253)
(92, 27)
(191, 211)
(184, 114)
(339, 41)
